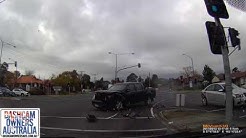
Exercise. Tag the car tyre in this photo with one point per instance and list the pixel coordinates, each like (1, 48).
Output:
(204, 101)
(22, 95)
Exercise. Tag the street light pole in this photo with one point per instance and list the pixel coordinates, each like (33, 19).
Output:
(2, 49)
(15, 63)
(116, 61)
(193, 72)
(116, 66)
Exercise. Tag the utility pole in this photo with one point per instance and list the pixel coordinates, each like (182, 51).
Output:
(218, 45)
(81, 76)
(116, 61)
(227, 70)
(149, 79)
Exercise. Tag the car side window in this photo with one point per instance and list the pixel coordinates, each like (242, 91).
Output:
(210, 88)
(217, 87)
(131, 87)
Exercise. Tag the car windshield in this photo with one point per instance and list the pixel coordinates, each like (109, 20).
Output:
(117, 87)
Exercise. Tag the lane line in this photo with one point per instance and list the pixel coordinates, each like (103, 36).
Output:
(151, 109)
(101, 118)
(242, 116)
(216, 110)
(104, 131)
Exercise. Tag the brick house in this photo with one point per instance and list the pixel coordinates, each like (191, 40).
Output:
(25, 81)
(239, 78)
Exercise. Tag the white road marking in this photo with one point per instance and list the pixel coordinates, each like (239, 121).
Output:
(101, 118)
(216, 110)
(242, 116)
(112, 116)
(151, 109)
(104, 131)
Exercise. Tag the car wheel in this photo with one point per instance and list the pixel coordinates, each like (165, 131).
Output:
(204, 101)
(119, 105)
(22, 95)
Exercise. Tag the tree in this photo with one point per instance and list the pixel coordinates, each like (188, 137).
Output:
(86, 81)
(67, 79)
(132, 78)
(154, 81)
(208, 74)
(140, 79)
(17, 74)
(187, 72)
(3, 71)
(147, 82)
(235, 70)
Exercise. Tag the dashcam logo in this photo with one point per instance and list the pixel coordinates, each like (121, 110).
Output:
(19, 122)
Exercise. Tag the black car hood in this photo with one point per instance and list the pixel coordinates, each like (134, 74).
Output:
(107, 91)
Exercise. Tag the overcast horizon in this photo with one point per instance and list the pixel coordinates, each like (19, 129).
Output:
(52, 36)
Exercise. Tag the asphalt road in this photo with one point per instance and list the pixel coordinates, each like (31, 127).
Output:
(66, 115)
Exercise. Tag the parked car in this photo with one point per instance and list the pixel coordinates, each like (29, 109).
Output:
(215, 94)
(20, 92)
(122, 95)
(6, 92)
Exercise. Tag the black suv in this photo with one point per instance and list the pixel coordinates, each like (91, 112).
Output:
(122, 95)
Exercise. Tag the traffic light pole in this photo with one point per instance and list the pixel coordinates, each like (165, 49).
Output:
(227, 71)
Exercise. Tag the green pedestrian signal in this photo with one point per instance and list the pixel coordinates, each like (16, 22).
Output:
(216, 8)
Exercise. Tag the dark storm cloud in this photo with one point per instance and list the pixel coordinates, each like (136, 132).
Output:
(53, 35)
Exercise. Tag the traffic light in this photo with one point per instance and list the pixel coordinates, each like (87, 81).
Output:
(139, 65)
(233, 33)
(216, 37)
(15, 63)
(216, 8)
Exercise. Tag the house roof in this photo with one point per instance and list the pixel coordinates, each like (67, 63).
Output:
(237, 75)
(28, 79)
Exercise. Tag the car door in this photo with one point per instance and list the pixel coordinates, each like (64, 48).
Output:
(210, 95)
(17, 91)
(139, 93)
(131, 93)
(219, 94)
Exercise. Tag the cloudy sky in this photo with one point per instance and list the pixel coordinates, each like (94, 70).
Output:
(52, 36)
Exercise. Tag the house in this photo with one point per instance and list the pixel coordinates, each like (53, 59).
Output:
(28, 82)
(215, 79)
(239, 78)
